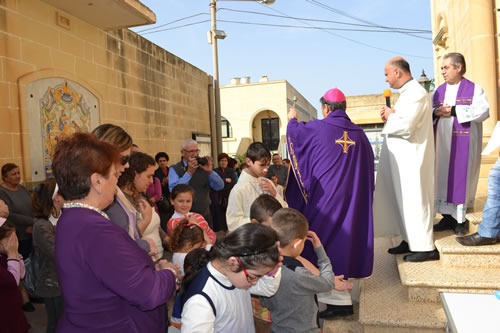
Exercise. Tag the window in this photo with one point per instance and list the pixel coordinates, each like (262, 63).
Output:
(271, 133)
(226, 130)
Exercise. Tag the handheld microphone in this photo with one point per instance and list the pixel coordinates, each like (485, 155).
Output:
(387, 95)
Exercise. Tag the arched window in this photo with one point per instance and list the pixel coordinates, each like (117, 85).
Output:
(271, 133)
(226, 130)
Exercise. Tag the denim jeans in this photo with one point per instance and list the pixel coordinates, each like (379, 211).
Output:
(490, 226)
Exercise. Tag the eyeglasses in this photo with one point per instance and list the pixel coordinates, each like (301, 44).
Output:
(249, 278)
(124, 159)
(192, 151)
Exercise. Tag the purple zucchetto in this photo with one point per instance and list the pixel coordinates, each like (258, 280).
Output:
(334, 95)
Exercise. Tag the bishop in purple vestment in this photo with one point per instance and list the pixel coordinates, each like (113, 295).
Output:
(331, 183)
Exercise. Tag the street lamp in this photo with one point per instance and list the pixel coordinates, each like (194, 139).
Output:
(424, 81)
(214, 35)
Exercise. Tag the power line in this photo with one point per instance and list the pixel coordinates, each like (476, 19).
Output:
(178, 20)
(302, 27)
(274, 25)
(176, 27)
(156, 29)
(337, 11)
(283, 15)
(350, 39)
(327, 21)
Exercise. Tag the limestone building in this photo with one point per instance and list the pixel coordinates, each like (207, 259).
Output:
(71, 65)
(471, 27)
(364, 111)
(258, 112)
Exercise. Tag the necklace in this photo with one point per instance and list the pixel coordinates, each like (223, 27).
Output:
(87, 206)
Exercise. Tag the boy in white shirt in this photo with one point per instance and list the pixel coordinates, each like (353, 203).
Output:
(250, 185)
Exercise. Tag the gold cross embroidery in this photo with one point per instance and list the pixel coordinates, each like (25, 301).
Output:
(345, 141)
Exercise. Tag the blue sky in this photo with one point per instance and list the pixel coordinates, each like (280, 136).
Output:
(312, 60)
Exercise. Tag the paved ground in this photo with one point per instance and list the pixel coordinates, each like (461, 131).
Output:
(37, 319)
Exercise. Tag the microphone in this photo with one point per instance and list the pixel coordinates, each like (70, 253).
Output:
(387, 95)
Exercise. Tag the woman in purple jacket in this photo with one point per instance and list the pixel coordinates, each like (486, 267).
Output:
(108, 282)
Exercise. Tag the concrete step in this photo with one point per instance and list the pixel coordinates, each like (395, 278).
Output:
(455, 255)
(384, 303)
(426, 280)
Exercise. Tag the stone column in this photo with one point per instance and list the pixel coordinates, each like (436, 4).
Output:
(484, 56)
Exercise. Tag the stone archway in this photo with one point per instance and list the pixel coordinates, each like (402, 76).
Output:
(266, 128)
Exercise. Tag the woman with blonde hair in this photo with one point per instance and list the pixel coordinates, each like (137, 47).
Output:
(120, 210)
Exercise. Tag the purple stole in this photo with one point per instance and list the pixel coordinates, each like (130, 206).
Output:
(460, 140)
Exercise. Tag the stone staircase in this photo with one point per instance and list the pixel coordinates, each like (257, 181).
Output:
(404, 297)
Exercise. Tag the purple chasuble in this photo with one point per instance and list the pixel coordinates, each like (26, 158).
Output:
(331, 183)
(460, 140)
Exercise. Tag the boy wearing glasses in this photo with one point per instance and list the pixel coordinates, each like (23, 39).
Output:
(295, 305)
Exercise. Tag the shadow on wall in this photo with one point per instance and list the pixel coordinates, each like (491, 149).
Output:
(243, 146)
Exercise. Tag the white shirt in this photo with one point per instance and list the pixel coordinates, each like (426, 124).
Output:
(233, 306)
(242, 196)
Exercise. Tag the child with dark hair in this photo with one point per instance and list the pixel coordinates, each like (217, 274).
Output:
(286, 162)
(233, 163)
(12, 270)
(251, 184)
(186, 238)
(279, 188)
(295, 304)
(263, 209)
(47, 204)
(215, 293)
(182, 201)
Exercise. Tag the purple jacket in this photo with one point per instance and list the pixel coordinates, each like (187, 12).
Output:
(109, 283)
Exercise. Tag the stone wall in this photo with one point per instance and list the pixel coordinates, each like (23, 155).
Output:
(365, 109)
(155, 96)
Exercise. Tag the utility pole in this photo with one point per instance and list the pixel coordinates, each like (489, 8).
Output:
(215, 57)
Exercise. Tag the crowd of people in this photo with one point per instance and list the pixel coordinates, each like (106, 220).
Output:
(100, 233)
(117, 233)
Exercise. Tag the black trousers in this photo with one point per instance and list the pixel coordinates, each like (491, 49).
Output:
(55, 308)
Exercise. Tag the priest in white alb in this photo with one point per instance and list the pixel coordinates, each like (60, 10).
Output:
(404, 188)
(459, 109)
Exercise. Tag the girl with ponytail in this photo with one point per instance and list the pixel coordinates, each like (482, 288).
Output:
(215, 291)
